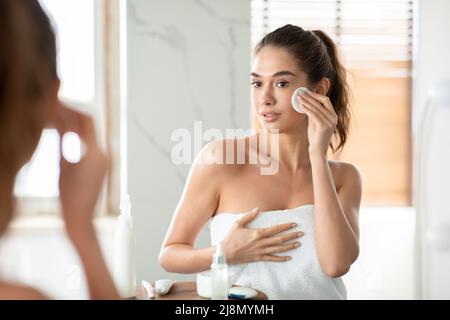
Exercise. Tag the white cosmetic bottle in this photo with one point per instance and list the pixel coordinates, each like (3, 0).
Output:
(219, 275)
(124, 255)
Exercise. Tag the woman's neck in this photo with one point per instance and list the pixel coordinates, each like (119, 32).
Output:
(292, 151)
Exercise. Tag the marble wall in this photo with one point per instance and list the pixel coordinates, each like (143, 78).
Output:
(187, 61)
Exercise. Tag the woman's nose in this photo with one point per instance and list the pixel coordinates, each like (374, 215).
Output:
(266, 98)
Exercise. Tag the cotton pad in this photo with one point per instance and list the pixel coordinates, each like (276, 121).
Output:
(163, 286)
(295, 103)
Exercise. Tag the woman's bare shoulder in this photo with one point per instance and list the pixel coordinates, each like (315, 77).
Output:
(9, 291)
(344, 172)
(224, 155)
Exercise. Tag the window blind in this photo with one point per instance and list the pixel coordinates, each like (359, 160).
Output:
(373, 36)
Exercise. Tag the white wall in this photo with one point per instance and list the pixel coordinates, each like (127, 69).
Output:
(187, 61)
(385, 266)
(432, 65)
(432, 50)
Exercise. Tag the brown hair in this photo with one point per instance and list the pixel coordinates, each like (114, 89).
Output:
(27, 71)
(318, 58)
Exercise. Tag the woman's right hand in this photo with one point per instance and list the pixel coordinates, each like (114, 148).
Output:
(242, 245)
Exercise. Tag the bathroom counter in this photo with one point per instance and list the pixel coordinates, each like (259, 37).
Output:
(187, 290)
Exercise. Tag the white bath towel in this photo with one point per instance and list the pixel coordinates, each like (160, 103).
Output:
(297, 279)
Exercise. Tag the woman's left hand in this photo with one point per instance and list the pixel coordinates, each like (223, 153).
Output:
(80, 183)
(322, 121)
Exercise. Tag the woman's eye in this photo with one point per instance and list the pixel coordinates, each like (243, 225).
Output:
(283, 84)
(256, 84)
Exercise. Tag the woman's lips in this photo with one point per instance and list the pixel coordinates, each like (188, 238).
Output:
(270, 116)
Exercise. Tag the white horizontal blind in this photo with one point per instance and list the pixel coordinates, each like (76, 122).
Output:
(268, 15)
(373, 36)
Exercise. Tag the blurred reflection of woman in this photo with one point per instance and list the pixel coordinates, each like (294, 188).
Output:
(28, 103)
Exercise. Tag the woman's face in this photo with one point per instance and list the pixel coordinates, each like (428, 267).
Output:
(275, 76)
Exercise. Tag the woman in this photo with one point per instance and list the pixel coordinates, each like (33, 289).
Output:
(309, 197)
(28, 103)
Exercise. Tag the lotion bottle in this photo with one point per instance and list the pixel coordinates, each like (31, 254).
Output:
(124, 255)
(219, 275)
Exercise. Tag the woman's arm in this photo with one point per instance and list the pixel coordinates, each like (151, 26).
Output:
(336, 216)
(336, 213)
(98, 278)
(79, 186)
(10, 291)
(197, 204)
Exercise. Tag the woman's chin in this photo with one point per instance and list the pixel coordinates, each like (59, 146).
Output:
(273, 125)
(265, 125)
(283, 127)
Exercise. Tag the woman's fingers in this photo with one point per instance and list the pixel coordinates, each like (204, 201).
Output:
(313, 115)
(84, 125)
(247, 244)
(67, 119)
(326, 103)
(272, 258)
(248, 217)
(267, 242)
(63, 122)
(324, 100)
(318, 111)
(267, 232)
(282, 248)
(316, 105)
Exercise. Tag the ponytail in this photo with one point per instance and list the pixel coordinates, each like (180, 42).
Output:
(339, 90)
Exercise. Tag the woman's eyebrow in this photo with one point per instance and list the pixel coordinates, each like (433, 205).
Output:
(277, 74)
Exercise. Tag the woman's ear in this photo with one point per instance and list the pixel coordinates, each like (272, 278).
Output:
(323, 86)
